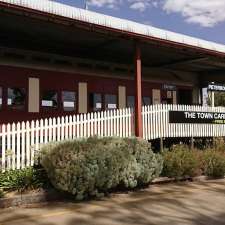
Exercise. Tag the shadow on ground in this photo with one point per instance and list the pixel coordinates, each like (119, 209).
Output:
(174, 204)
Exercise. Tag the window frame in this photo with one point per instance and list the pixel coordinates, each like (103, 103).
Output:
(127, 101)
(61, 101)
(50, 108)
(104, 101)
(148, 98)
(5, 98)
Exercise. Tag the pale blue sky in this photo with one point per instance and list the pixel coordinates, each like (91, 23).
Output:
(199, 18)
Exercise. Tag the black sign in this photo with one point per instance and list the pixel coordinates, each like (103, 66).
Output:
(169, 87)
(216, 87)
(196, 117)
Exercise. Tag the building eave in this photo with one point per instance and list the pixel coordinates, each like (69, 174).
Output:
(61, 13)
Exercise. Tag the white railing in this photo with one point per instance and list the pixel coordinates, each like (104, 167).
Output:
(19, 142)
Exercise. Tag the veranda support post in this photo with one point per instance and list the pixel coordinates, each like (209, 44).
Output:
(138, 95)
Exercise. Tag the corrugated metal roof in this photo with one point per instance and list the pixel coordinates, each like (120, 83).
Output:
(115, 23)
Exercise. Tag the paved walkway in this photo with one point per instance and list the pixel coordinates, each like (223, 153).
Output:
(173, 204)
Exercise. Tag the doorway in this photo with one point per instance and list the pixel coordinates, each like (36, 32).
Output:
(185, 97)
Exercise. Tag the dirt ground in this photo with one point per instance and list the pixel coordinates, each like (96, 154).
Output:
(198, 203)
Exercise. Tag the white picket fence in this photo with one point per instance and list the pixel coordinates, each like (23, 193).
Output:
(156, 122)
(19, 142)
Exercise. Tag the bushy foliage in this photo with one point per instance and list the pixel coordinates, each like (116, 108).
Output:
(20, 180)
(214, 163)
(219, 99)
(180, 162)
(90, 167)
(219, 144)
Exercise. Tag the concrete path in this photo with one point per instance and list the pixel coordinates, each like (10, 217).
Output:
(201, 203)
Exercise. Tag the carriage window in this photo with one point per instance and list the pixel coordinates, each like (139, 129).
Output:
(110, 102)
(146, 101)
(69, 101)
(130, 101)
(95, 102)
(50, 99)
(16, 98)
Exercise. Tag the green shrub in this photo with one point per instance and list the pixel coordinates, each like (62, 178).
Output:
(181, 162)
(214, 163)
(219, 144)
(20, 180)
(93, 166)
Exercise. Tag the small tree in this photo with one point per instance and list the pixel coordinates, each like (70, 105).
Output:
(219, 99)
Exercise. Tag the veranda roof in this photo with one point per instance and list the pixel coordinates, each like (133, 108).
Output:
(117, 24)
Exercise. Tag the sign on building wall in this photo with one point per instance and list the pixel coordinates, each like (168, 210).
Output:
(169, 87)
(196, 117)
(216, 87)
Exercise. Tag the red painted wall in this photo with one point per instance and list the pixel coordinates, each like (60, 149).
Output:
(59, 81)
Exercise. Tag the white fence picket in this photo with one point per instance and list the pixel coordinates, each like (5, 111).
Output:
(32, 147)
(37, 136)
(18, 144)
(74, 126)
(62, 125)
(54, 129)
(106, 124)
(13, 146)
(66, 128)
(9, 153)
(46, 131)
(3, 147)
(84, 121)
(27, 147)
(50, 130)
(88, 125)
(23, 145)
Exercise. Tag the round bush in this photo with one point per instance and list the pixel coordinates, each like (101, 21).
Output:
(181, 162)
(92, 166)
(214, 163)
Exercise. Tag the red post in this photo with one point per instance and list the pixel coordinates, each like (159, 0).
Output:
(138, 97)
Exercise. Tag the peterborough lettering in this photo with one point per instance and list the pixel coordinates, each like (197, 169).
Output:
(214, 87)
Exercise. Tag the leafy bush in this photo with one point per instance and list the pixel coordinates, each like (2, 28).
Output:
(90, 167)
(181, 162)
(219, 144)
(214, 163)
(20, 180)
